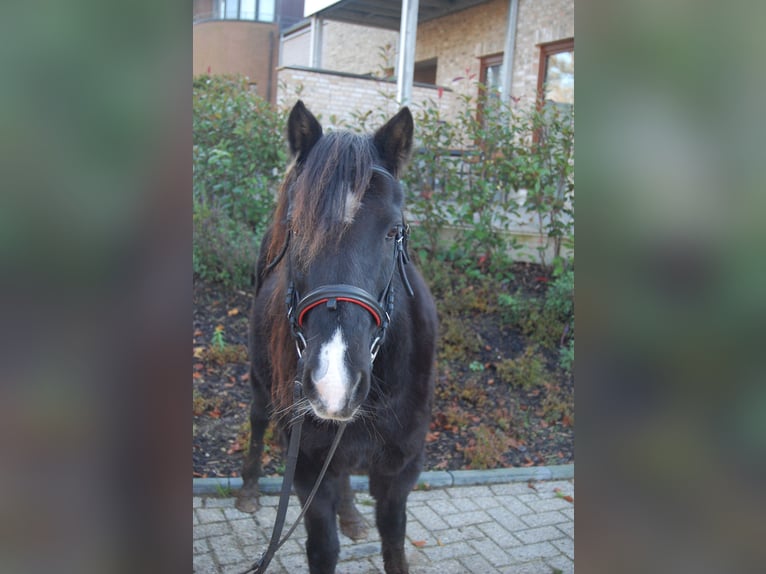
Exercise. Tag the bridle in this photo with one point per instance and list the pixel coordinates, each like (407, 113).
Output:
(381, 309)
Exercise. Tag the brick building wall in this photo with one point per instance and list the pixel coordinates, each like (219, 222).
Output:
(237, 47)
(345, 47)
(356, 49)
(458, 41)
(341, 95)
(461, 39)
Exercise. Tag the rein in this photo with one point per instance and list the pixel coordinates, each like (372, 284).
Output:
(260, 566)
(381, 309)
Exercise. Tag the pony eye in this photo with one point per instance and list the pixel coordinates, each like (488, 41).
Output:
(393, 232)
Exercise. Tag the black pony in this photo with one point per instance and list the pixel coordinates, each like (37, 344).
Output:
(360, 335)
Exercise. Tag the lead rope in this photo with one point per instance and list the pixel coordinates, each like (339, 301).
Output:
(260, 566)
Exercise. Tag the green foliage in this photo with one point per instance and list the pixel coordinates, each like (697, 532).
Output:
(566, 356)
(548, 319)
(466, 178)
(239, 157)
(527, 371)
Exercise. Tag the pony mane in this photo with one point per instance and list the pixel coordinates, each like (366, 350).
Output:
(327, 191)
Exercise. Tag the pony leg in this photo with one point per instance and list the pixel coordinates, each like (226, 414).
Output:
(322, 544)
(352, 523)
(390, 492)
(247, 498)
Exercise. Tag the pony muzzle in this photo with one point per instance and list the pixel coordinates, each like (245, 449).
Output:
(333, 389)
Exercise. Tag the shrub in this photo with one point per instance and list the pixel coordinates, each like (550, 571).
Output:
(239, 156)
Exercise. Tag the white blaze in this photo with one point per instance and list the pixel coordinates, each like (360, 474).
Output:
(331, 377)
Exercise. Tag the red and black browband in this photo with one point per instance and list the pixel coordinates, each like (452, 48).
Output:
(331, 294)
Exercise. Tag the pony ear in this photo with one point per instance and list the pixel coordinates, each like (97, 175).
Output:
(303, 131)
(394, 141)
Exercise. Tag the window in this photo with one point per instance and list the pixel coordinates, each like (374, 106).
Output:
(252, 10)
(425, 71)
(555, 78)
(490, 88)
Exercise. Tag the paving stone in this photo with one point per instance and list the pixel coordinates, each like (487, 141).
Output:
(565, 545)
(234, 514)
(266, 516)
(442, 507)
(568, 512)
(514, 488)
(466, 518)
(208, 530)
(219, 503)
(226, 549)
(565, 486)
(475, 529)
(464, 504)
(247, 530)
(485, 502)
(503, 516)
(461, 534)
(200, 546)
(443, 567)
(567, 528)
(562, 563)
(530, 552)
(543, 518)
(467, 492)
(477, 564)
(549, 504)
(204, 564)
(209, 515)
(416, 531)
(357, 551)
(358, 567)
(195, 520)
(428, 518)
(294, 562)
(419, 496)
(492, 552)
(534, 567)
(514, 505)
(499, 535)
(436, 553)
(541, 534)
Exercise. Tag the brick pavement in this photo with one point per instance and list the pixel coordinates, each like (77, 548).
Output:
(507, 528)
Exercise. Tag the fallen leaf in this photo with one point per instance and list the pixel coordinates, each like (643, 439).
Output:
(566, 497)
(419, 543)
(233, 312)
(197, 333)
(432, 436)
(215, 413)
(199, 366)
(198, 352)
(532, 486)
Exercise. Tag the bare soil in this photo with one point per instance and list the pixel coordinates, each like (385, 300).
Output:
(481, 419)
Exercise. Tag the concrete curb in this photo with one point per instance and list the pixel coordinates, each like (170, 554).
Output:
(431, 479)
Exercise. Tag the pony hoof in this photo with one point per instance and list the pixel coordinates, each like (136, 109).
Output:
(247, 501)
(355, 528)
